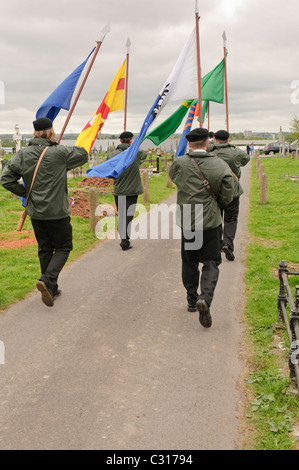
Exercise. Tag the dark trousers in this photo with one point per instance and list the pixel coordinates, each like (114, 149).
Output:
(126, 206)
(210, 256)
(54, 238)
(230, 215)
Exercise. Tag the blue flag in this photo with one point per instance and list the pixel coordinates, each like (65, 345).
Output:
(114, 167)
(62, 95)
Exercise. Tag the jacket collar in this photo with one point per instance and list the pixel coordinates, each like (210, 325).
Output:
(40, 141)
(199, 154)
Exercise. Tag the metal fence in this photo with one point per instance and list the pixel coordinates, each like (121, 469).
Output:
(288, 313)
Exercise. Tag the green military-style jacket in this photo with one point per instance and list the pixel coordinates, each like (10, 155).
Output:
(129, 182)
(49, 196)
(191, 189)
(235, 158)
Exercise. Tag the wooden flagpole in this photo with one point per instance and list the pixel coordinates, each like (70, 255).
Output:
(197, 18)
(225, 79)
(128, 44)
(99, 43)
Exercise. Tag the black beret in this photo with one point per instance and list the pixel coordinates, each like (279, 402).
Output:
(42, 124)
(221, 135)
(126, 135)
(197, 135)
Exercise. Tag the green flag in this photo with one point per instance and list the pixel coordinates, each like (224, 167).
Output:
(213, 84)
(205, 106)
(170, 125)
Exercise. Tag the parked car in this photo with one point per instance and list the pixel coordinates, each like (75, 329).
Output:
(275, 147)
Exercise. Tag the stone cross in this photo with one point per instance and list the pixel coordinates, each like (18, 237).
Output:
(17, 138)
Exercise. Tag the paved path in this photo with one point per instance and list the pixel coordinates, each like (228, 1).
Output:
(118, 362)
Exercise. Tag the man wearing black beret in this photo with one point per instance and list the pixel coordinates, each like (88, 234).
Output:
(48, 202)
(202, 181)
(235, 158)
(127, 187)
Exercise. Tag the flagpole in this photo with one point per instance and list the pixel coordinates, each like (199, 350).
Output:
(197, 18)
(105, 30)
(128, 44)
(225, 79)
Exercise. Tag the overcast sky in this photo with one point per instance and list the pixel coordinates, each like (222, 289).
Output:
(41, 43)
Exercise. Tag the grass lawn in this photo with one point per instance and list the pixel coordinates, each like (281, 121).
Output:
(274, 234)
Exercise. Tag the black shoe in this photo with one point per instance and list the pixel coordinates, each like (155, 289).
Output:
(229, 254)
(192, 308)
(125, 248)
(205, 318)
(47, 297)
(57, 293)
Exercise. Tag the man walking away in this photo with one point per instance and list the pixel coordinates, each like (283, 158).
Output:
(202, 180)
(48, 203)
(127, 187)
(235, 158)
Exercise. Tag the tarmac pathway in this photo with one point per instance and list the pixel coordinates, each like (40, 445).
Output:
(119, 363)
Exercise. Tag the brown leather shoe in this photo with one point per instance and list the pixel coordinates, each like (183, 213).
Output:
(205, 318)
(46, 295)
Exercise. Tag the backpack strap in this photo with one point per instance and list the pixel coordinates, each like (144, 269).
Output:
(35, 172)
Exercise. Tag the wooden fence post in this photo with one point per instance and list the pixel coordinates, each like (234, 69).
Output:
(145, 183)
(258, 162)
(264, 189)
(261, 172)
(93, 204)
(168, 180)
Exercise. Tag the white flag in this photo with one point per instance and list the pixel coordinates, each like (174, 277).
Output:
(182, 83)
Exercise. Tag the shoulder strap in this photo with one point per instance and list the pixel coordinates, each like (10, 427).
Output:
(216, 155)
(203, 178)
(35, 172)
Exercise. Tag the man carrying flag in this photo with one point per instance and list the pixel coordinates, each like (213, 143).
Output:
(202, 181)
(127, 187)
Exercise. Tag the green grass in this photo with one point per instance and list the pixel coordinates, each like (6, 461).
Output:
(19, 268)
(274, 230)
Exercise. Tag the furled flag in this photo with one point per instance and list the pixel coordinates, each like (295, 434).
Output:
(170, 125)
(113, 101)
(181, 150)
(62, 95)
(181, 84)
(213, 84)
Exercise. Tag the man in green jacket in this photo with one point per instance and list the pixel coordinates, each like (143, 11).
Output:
(127, 187)
(235, 158)
(200, 219)
(48, 204)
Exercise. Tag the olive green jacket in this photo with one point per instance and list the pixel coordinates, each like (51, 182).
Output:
(235, 158)
(191, 190)
(49, 196)
(129, 182)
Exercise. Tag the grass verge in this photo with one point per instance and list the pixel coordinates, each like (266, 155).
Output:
(273, 230)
